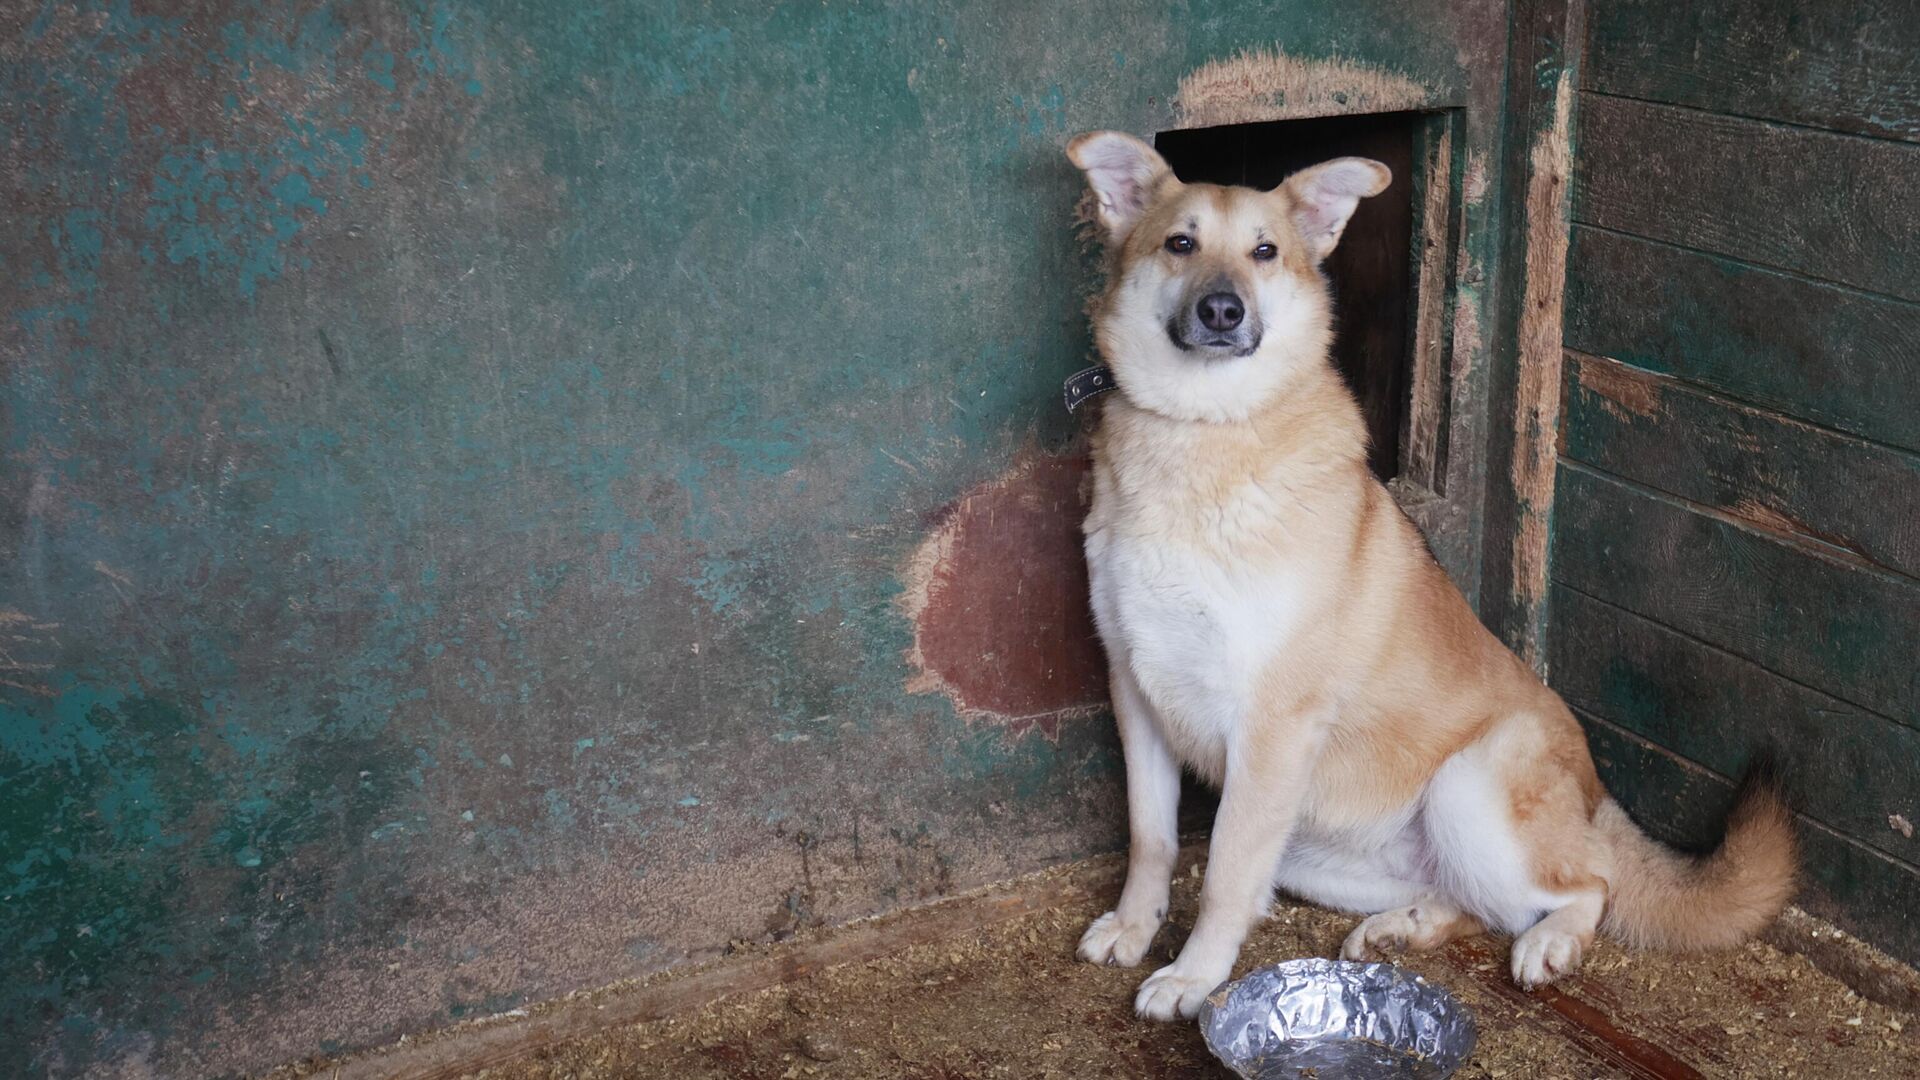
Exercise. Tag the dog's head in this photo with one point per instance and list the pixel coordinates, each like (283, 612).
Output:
(1215, 298)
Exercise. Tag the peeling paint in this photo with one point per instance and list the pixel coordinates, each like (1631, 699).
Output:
(1468, 345)
(1623, 394)
(1767, 517)
(1772, 519)
(997, 595)
(1475, 186)
(1266, 84)
(1536, 420)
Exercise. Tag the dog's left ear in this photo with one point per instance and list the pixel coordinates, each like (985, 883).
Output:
(1325, 195)
(1123, 173)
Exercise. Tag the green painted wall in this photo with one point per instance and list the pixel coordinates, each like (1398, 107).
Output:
(460, 467)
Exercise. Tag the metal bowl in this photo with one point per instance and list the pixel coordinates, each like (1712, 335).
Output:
(1336, 1020)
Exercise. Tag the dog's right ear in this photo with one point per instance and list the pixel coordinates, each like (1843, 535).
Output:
(1123, 173)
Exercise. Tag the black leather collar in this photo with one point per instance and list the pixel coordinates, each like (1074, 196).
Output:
(1090, 383)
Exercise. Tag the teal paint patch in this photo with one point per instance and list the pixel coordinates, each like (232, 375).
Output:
(148, 808)
(205, 209)
(1027, 766)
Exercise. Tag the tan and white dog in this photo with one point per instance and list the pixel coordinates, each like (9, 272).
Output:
(1276, 624)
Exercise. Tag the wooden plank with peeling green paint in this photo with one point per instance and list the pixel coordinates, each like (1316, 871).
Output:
(1784, 475)
(1847, 66)
(1837, 207)
(1834, 625)
(1833, 355)
(1868, 893)
(1853, 770)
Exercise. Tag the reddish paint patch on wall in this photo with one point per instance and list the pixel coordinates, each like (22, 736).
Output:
(998, 598)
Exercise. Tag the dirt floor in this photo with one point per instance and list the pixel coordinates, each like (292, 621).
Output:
(988, 987)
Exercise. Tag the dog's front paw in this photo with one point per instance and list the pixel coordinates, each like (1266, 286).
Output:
(1109, 940)
(1544, 954)
(1172, 993)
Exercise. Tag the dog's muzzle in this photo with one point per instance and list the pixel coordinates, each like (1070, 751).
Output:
(1192, 335)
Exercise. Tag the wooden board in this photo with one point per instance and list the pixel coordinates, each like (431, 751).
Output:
(1832, 625)
(1436, 229)
(1852, 770)
(1848, 66)
(1837, 207)
(1858, 497)
(1829, 354)
(1866, 892)
(1542, 74)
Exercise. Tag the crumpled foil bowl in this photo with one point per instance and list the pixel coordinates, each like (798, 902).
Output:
(1336, 1020)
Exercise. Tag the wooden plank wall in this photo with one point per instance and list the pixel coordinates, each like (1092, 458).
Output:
(1736, 537)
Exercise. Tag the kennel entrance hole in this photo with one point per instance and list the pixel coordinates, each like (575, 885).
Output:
(1372, 270)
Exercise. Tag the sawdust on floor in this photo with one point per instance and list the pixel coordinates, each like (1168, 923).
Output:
(1010, 1000)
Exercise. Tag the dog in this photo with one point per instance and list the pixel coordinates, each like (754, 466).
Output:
(1275, 623)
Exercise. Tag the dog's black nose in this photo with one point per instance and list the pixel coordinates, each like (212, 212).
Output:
(1221, 311)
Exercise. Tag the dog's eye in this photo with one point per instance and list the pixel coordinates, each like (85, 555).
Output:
(1264, 252)
(1180, 244)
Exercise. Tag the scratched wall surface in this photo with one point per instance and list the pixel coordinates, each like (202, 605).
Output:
(468, 479)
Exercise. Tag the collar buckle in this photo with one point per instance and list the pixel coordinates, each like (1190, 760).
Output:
(1088, 383)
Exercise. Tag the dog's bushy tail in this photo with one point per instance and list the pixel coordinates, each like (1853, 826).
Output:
(1664, 899)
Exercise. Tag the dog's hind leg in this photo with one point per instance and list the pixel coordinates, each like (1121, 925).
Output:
(1553, 946)
(1362, 872)
(1515, 845)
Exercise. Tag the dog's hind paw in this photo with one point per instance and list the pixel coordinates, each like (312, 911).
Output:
(1543, 954)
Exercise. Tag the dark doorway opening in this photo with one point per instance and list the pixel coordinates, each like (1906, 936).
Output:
(1371, 270)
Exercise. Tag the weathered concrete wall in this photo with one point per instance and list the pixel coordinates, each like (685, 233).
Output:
(499, 498)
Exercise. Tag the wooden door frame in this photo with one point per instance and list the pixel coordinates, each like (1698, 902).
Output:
(1545, 42)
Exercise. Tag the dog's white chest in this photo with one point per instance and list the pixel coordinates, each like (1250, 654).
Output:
(1195, 632)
